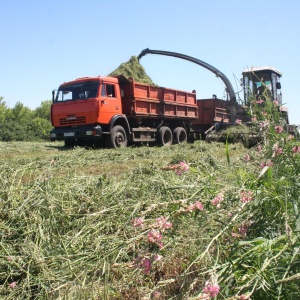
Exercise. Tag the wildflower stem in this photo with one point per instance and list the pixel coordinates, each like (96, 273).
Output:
(200, 257)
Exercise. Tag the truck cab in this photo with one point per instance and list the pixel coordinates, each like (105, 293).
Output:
(82, 109)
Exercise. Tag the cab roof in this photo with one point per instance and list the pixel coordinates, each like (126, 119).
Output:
(114, 79)
(261, 69)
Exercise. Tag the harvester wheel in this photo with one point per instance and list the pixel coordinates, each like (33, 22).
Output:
(117, 137)
(179, 135)
(165, 136)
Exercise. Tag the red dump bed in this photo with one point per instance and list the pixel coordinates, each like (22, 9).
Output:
(211, 111)
(142, 100)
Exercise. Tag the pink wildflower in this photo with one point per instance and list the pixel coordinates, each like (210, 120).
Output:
(290, 137)
(279, 129)
(146, 264)
(217, 200)
(296, 149)
(138, 222)
(12, 285)
(163, 223)
(269, 163)
(211, 289)
(277, 151)
(263, 164)
(156, 295)
(157, 257)
(247, 157)
(235, 235)
(179, 168)
(154, 236)
(259, 101)
(246, 196)
(143, 263)
(263, 126)
(243, 229)
(9, 258)
(195, 206)
(259, 148)
(198, 205)
(275, 102)
(182, 167)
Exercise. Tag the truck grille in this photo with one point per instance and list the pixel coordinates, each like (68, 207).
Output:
(72, 121)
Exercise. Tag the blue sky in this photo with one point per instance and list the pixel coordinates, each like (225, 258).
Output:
(45, 43)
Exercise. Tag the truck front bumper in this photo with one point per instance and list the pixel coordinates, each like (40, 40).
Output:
(90, 132)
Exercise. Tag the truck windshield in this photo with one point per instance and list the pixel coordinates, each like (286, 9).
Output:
(82, 90)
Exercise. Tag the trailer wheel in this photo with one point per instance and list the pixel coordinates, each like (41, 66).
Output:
(165, 136)
(179, 135)
(117, 137)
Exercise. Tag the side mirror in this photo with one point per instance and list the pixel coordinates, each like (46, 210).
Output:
(53, 96)
(278, 85)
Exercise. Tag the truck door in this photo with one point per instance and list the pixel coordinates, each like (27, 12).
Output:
(110, 102)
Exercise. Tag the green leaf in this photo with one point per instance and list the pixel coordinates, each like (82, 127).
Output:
(227, 150)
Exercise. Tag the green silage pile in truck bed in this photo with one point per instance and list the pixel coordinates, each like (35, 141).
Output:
(134, 69)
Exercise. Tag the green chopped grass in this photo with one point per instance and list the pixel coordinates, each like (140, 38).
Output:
(66, 220)
(134, 69)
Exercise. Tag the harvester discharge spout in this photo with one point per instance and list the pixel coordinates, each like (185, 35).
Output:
(229, 88)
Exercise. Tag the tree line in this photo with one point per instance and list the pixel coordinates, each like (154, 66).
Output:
(21, 123)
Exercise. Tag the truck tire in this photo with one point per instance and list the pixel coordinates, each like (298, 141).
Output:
(117, 137)
(180, 135)
(165, 136)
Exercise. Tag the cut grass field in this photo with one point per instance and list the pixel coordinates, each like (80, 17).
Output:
(67, 222)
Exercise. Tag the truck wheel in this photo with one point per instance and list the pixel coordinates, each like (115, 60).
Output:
(165, 136)
(117, 137)
(179, 135)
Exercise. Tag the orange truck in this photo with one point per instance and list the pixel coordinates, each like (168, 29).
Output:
(118, 111)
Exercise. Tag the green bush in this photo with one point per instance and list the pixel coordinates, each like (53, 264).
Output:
(23, 124)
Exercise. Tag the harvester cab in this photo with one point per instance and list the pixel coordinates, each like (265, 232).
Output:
(262, 83)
